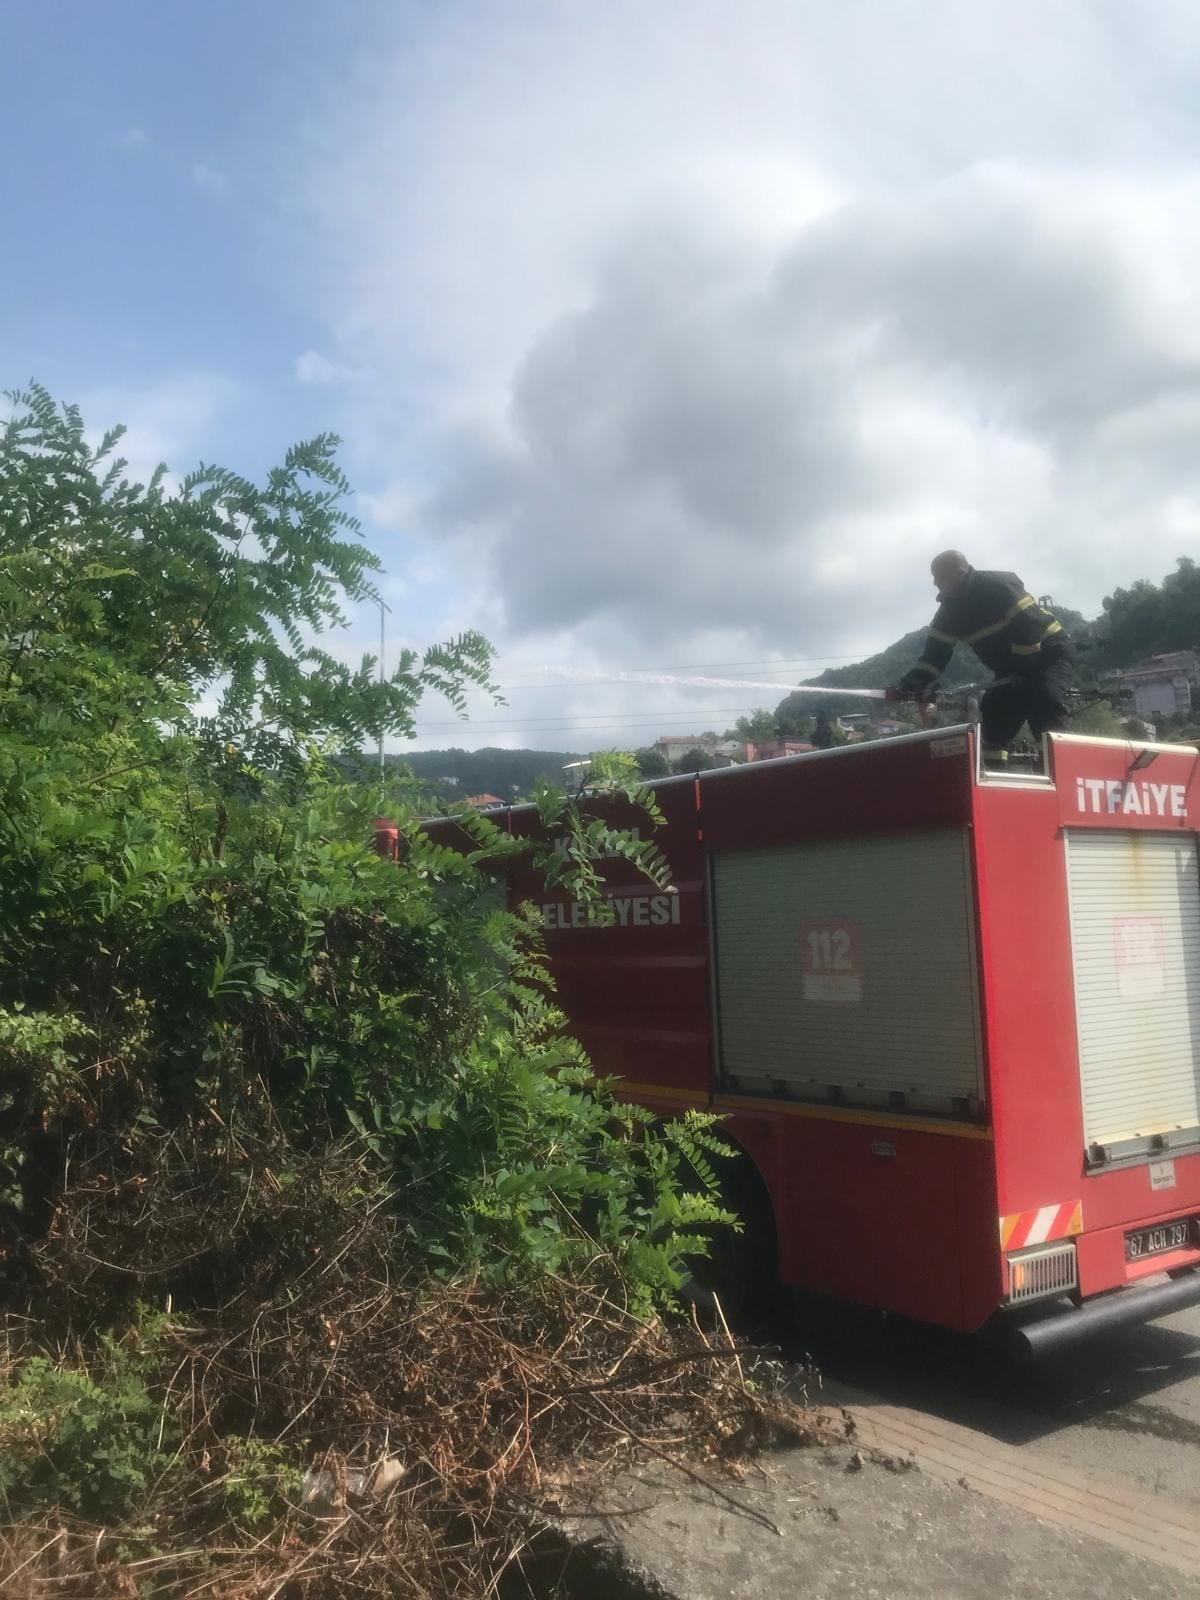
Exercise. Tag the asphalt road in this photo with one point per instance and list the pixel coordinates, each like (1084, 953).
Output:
(945, 1474)
(1126, 1407)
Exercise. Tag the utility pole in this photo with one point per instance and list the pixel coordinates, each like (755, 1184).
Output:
(382, 608)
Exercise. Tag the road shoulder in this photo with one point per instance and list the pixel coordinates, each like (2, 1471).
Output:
(837, 1522)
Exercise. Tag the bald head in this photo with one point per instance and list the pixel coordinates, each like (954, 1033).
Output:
(950, 571)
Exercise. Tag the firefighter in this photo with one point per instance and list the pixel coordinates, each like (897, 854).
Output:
(1022, 642)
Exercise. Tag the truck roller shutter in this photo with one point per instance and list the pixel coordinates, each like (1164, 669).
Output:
(846, 973)
(1135, 939)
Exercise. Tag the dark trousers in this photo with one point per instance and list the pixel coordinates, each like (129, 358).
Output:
(1040, 699)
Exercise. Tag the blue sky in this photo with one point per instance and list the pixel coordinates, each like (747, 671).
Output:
(654, 342)
(145, 193)
(155, 263)
(144, 143)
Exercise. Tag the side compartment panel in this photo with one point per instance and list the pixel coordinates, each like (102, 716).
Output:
(846, 972)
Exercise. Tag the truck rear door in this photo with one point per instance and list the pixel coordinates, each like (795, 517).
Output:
(1134, 902)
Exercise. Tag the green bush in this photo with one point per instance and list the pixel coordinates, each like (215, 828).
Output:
(262, 1481)
(72, 1439)
(195, 931)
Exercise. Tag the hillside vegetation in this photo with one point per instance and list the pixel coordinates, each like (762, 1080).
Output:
(1144, 620)
(319, 1241)
(489, 770)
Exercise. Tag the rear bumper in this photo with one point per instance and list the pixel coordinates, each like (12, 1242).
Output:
(1056, 1331)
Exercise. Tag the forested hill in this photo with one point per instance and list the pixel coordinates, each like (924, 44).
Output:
(877, 671)
(1144, 620)
(455, 774)
(890, 665)
(1148, 619)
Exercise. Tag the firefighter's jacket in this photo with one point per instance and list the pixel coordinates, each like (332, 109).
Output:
(1006, 627)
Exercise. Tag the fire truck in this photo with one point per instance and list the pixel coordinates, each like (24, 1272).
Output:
(950, 1019)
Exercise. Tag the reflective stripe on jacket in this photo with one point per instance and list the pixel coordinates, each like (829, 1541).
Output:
(1005, 626)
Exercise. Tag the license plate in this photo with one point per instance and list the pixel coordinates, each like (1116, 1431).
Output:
(1143, 1242)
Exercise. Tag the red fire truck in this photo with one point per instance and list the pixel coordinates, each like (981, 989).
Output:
(951, 1018)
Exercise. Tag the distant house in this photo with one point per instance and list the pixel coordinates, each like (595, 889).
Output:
(1162, 685)
(675, 745)
(484, 802)
(772, 749)
(729, 752)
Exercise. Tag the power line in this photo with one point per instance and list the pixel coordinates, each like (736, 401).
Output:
(618, 719)
(774, 663)
(507, 688)
(592, 716)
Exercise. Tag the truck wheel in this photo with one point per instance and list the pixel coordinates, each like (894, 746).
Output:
(741, 1269)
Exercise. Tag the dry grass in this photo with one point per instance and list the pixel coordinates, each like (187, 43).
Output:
(492, 1402)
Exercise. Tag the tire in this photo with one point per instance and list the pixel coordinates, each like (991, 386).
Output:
(741, 1270)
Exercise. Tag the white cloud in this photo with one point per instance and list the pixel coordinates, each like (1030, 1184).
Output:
(169, 420)
(699, 338)
(313, 367)
(209, 179)
(1000, 361)
(133, 138)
